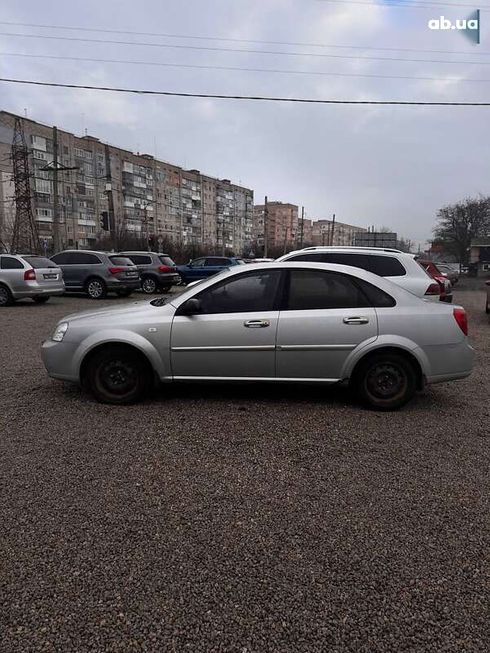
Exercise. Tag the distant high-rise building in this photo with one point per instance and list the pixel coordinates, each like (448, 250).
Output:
(151, 198)
(282, 225)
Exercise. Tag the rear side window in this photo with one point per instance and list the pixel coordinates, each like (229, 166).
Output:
(121, 260)
(140, 259)
(166, 260)
(81, 258)
(376, 297)
(383, 266)
(39, 262)
(313, 289)
(217, 261)
(10, 263)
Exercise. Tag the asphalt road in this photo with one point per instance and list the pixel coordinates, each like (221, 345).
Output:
(240, 519)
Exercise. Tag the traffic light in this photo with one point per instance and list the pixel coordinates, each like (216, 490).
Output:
(104, 221)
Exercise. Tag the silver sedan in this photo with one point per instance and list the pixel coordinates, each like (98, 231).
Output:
(295, 322)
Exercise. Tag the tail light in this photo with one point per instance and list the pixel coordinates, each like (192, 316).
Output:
(30, 275)
(461, 319)
(115, 270)
(433, 289)
(165, 268)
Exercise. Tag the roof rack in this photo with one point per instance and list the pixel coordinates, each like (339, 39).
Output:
(377, 249)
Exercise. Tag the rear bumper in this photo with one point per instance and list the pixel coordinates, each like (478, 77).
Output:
(449, 362)
(121, 284)
(36, 291)
(169, 279)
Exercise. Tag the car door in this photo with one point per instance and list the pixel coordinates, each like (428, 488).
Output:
(324, 316)
(195, 270)
(12, 273)
(64, 261)
(234, 334)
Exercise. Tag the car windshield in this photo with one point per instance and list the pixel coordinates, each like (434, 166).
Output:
(166, 260)
(121, 260)
(39, 262)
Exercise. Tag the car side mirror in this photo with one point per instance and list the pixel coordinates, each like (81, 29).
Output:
(191, 307)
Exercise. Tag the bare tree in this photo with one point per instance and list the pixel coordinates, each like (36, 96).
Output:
(459, 223)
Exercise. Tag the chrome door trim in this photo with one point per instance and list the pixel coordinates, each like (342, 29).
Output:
(228, 348)
(256, 379)
(315, 347)
(355, 320)
(256, 324)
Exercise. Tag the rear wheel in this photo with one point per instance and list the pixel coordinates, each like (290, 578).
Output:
(118, 375)
(6, 298)
(40, 299)
(96, 289)
(149, 285)
(385, 381)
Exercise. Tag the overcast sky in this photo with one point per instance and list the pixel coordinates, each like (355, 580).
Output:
(392, 166)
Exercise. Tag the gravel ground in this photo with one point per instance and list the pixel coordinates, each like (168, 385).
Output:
(240, 519)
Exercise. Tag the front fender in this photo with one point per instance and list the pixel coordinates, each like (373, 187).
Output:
(119, 336)
(382, 342)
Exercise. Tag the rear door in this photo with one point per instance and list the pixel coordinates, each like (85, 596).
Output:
(325, 316)
(12, 273)
(64, 261)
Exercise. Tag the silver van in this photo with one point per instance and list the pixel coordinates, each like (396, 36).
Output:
(28, 276)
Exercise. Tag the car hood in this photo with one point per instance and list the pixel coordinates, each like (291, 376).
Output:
(117, 313)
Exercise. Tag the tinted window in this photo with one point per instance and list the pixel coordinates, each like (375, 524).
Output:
(198, 263)
(312, 289)
(81, 258)
(166, 260)
(39, 262)
(11, 263)
(121, 260)
(383, 266)
(247, 293)
(140, 259)
(61, 259)
(217, 261)
(375, 296)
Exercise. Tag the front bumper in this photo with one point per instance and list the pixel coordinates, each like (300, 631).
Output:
(58, 360)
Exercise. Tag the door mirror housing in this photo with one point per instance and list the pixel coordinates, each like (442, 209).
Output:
(190, 307)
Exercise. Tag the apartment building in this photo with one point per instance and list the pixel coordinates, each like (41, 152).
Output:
(328, 232)
(153, 199)
(282, 225)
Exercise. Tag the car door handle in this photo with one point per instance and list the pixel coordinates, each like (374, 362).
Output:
(256, 324)
(355, 320)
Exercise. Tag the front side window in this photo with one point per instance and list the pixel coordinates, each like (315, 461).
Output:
(246, 293)
(10, 263)
(81, 258)
(313, 289)
(214, 262)
(198, 263)
(61, 259)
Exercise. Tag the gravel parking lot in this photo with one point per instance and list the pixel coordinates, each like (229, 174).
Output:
(240, 519)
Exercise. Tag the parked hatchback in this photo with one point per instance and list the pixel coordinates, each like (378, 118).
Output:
(391, 264)
(28, 276)
(206, 266)
(274, 322)
(97, 273)
(157, 271)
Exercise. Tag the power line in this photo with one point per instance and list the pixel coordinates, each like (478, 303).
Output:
(238, 68)
(417, 4)
(248, 51)
(248, 97)
(235, 40)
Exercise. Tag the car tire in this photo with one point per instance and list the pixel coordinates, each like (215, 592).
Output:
(40, 299)
(118, 375)
(124, 293)
(385, 381)
(6, 298)
(96, 288)
(149, 285)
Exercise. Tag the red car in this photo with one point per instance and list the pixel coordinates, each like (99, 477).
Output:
(445, 285)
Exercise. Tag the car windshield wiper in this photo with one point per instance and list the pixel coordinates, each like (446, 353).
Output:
(160, 301)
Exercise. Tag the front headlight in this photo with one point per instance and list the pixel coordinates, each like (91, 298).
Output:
(59, 332)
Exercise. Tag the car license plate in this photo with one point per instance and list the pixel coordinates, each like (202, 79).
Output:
(131, 274)
(50, 276)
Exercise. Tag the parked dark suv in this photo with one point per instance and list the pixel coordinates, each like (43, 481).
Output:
(201, 268)
(157, 271)
(97, 273)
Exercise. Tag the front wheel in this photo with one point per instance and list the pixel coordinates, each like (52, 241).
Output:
(40, 299)
(385, 381)
(149, 286)
(96, 289)
(117, 375)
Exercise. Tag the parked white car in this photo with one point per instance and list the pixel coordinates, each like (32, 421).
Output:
(391, 264)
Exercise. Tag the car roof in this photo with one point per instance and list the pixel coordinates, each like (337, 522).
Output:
(85, 251)
(383, 251)
(142, 251)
